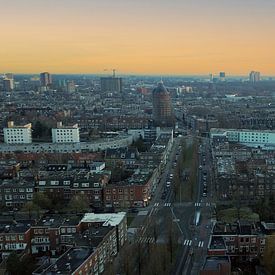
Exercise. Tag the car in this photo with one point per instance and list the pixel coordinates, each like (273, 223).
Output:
(204, 194)
(133, 210)
(168, 184)
(200, 167)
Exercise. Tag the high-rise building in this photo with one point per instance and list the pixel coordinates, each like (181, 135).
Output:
(45, 79)
(70, 86)
(8, 85)
(162, 106)
(18, 134)
(254, 76)
(222, 76)
(111, 84)
(8, 82)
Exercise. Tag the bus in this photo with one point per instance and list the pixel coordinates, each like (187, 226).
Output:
(197, 217)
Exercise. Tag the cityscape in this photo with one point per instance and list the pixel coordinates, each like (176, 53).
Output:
(133, 150)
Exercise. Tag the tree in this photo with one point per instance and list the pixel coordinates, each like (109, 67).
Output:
(269, 254)
(19, 266)
(40, 129)
(79, 203)
(30, 207)
(13, 264)
(42, 200)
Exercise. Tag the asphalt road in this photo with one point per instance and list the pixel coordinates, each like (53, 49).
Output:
(163, 215)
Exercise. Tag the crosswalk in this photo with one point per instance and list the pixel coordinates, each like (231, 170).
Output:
(187, 242)
(202, 204)
(165, 204)
(145, 240)
(200, 244)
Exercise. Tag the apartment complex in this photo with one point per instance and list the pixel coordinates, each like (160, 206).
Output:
(263, 138)
(65, 134)
(18, 134)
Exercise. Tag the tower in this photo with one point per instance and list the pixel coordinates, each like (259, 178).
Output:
(162, 106)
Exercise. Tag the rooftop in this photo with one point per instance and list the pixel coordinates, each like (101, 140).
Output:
(217, 242)
(112, 219)
(15, 226)
(214, 262)
(69, 261)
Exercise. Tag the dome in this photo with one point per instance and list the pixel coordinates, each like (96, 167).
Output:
(160, 89)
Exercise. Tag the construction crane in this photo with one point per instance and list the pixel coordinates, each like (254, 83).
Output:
(113, 70)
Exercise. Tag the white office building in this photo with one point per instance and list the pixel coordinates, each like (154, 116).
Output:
(18, 134)
(65, 134)
(262, 138)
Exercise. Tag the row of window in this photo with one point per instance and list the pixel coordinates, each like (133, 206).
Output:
(12, 238)
(21, 190)
(16, 197)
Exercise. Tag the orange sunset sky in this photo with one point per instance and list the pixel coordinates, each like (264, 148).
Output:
(138, 36)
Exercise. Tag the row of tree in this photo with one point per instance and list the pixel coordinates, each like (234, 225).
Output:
(78, 204)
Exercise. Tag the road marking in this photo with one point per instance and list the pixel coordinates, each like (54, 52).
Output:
(167, 204)
(156, 204)
(200, 244)
(187, 242)
(197, 203)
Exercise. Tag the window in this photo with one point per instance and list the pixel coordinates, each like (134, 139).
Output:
(54, 182)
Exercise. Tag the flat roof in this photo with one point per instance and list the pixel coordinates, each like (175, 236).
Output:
(107, 219)
(213, 263)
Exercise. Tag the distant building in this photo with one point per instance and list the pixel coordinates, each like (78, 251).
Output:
(70, 86)
(45, 79)
(18, 134)
(162, 106)
(254, 77)
(65, 134)
(222, 76)
(8, 85)
(253, 138)
(111, 84)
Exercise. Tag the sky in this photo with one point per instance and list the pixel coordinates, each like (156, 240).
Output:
(138, 36)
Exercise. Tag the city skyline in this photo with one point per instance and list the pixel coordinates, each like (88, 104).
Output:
(141, 37)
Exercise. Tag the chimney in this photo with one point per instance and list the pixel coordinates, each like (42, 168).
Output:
(59, 124)
(10, 124)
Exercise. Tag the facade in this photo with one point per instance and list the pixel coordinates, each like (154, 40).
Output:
(73, 147)
(45, 79)
(240, 241)
(254, 138)
(254, 77)
(111, 84)
(162, 107)
(8, 85)
(90, 243)
(65, 134)
(61, 186)
(18, 134)
(15, 193)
